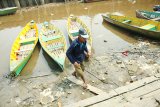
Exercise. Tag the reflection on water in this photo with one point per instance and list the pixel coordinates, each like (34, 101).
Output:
(124, 34)
(51, 63)
(90, 13)
(27, 70)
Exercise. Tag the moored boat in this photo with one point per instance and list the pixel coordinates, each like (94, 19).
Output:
(73, 25)
(53, 42)
(148, 15)
(9, 10)
(147, 28)
(23, 48)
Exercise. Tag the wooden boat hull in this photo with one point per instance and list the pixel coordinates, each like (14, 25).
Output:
(6, 11)
(49, 42)
(23, 48)
(147, 14)
(138, 25)
(73, 34)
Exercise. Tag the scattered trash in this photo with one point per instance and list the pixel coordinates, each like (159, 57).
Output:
(70, 85)
(127, 83)
(18, 101)
(27, 102)
(132, 1)
(95, 22)
(34, 86)
(131, 81)
(120, 79)
(24, 81)
(125, 53)
(133, 78)
(106, 73)
(105, 40)
(59, 93)
(158, 61)
(103, 78)
(119, 62)
(82, 93)
(15, 96)
(158, 101)
(69, 92)
(52, 14)
(46, 96)
(65, 77)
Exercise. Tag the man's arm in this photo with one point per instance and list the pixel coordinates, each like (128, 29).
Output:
(69, 53)
(85, 48)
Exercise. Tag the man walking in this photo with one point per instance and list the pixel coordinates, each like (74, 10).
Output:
(77, 52)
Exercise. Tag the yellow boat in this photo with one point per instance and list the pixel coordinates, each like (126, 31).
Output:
(53, 42)
(73, 25)
(23, 47)
(148, 28)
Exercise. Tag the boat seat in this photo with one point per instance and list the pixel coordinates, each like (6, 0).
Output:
(55, 47)
(28, 41)
(149, 27)
(126, 21)
(74, 32)
(45, 39)
(23, 50)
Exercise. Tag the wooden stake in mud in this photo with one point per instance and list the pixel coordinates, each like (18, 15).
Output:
(17, 3)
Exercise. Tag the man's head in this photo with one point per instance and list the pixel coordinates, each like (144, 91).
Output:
(32, 21)
(32, 24)
(72, 17)
(155, 8)
(82, 35)
(46, 24)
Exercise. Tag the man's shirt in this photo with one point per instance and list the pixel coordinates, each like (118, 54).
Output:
(75, 52)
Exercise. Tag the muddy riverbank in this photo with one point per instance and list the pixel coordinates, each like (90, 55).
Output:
(107, 72)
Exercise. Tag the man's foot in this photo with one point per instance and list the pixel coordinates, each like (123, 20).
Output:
(74, 74)
(84, 85)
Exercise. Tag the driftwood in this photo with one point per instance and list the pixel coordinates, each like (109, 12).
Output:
(40, 76)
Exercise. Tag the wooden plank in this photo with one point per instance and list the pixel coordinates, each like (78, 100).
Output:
(23, 50)
(89, 101)
(89, 87)
(119, 91)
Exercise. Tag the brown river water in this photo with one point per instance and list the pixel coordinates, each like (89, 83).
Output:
(116, 39)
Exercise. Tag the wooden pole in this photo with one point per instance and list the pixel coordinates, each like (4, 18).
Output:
(23, 3)
(47, 1)
(17, 3)
(36, 2)
(5, 4)
(30, 2)
(42, 2)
